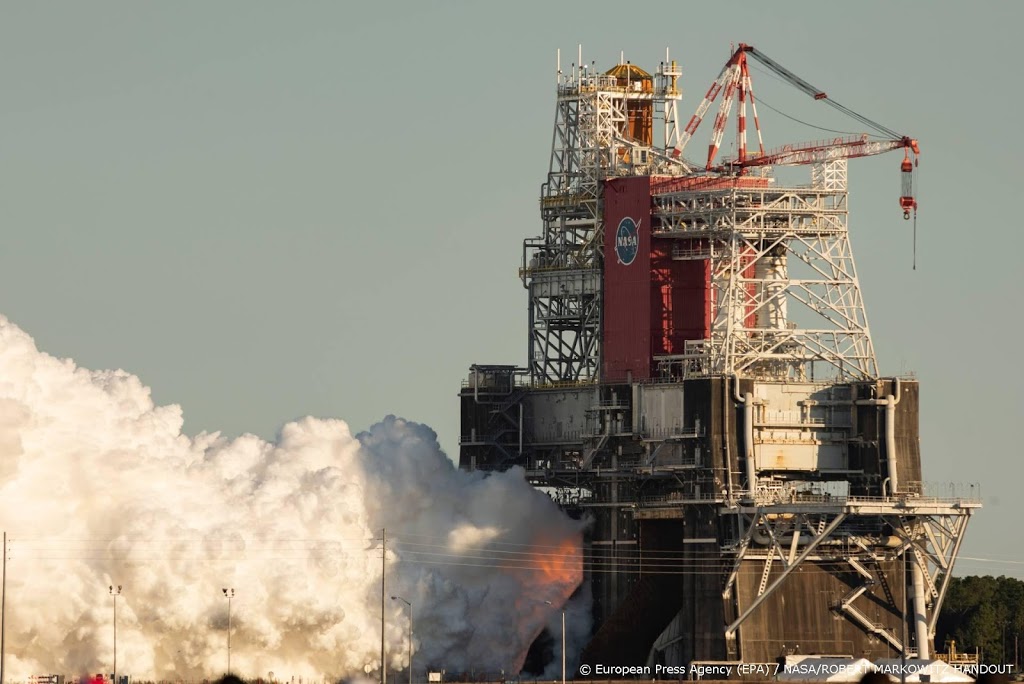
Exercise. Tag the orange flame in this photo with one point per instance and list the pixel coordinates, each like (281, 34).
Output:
(561, 563)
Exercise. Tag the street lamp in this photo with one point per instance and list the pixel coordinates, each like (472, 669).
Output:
(230, 594)
(399, 598)
(563, 639)
(115, 592)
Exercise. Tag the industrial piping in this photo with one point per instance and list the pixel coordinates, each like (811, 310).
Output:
(748, 435)
(920, 608)
(890, 433)
(890, 443)
(748, 443)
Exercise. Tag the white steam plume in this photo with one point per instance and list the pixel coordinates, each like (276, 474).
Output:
(98, 486)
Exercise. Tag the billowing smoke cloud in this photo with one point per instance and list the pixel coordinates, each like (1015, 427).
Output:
(99, 487)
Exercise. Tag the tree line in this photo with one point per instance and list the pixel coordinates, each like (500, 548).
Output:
(984, 613)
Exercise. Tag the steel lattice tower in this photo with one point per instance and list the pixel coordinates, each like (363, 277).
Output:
(786, 302)
(595, 138)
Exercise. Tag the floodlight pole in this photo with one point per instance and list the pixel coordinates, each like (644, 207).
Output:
(399, 598)
(229, 592)
(3, 614)
(563, 639)
(115, 592)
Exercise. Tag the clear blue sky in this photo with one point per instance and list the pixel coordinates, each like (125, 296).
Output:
(267, 210)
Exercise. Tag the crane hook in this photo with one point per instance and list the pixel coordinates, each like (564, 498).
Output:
(907, 201)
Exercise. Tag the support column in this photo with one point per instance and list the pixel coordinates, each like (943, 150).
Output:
(920, 613)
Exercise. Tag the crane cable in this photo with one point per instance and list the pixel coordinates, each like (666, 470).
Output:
(863, 119)
(761, 100)
(882, 129)
(793, 118)
(817, 93)
(917, 185)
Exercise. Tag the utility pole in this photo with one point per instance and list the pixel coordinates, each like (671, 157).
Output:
(3, 615)
(230, 594)
(115, 592)
(1006, 626)
(383, 568)
(563, 645)
(563, 639)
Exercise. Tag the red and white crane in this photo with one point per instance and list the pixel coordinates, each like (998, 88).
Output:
(734, 79)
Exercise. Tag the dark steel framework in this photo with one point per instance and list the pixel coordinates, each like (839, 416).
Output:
(769, 470)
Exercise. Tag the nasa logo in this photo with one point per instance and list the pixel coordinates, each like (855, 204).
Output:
(627, 241)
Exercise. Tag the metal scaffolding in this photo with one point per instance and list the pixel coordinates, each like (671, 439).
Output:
(592, 142)
(739, 431)
(786, 300)
(859, 537)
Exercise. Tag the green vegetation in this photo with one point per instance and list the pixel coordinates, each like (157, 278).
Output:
(986, 613)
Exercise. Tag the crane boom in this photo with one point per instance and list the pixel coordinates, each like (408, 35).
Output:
(734, 79)
(727, 76)
(782, 71)
(825, 150)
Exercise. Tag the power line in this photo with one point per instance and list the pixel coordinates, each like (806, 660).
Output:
(498, 555)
